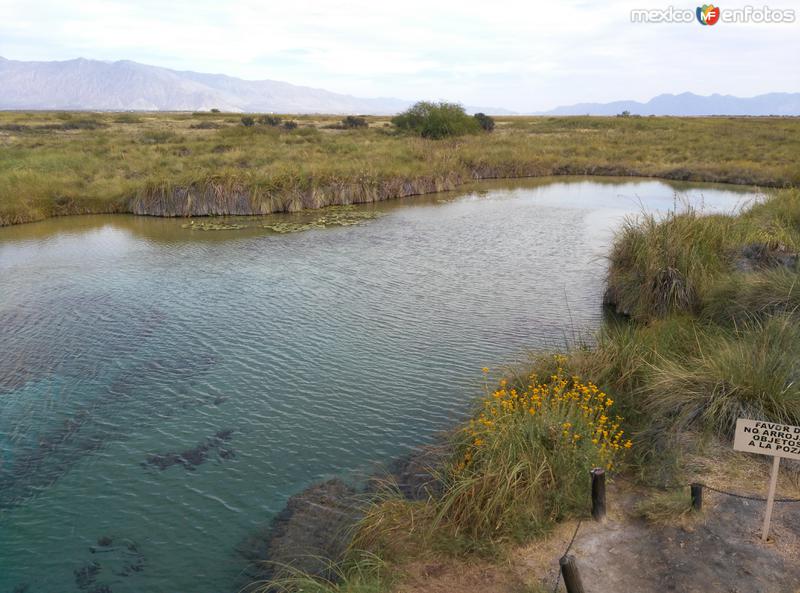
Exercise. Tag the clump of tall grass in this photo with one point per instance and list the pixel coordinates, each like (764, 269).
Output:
(739, 297)
(679, 263)
(661, 266)
(669, 508)
(751, 371)
(361, 572)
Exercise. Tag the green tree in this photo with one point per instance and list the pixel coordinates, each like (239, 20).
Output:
(436, 120)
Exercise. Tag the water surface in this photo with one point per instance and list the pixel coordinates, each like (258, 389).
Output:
(269, 360)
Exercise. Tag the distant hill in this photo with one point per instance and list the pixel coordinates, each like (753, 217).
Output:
(691, 104)
(126, 85)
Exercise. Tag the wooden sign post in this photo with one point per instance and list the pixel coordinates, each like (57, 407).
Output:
(768, 438)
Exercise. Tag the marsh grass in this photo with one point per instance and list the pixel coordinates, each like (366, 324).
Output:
(105, 162)
(748, 372)
(713, 332)
(361, 572)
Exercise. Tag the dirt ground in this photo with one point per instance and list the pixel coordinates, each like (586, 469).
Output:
(716, 551)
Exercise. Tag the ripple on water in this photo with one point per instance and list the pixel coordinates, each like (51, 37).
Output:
(240, 368)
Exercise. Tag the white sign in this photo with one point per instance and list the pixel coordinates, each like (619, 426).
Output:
(767, 438)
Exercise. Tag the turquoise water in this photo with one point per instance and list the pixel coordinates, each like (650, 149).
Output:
(269, 361)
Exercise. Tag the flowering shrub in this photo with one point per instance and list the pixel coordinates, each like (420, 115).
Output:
(569, 414)
(523, 461)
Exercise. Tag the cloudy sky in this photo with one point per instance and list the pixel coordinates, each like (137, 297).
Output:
(523, 55)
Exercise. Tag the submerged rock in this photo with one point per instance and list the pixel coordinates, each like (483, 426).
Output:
(310, 531)
(191, 458)
(315, 527)
(86, 574)
(413, 474)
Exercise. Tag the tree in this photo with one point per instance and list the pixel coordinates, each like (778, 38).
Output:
(486, 122)
(436, 120)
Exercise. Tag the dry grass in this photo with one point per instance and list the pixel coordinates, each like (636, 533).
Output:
(173, 163)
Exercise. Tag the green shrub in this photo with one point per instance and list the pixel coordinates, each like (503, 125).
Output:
(436, 120)
(486, 122)
(248, 121)
(290, 125)
(352, 121)
(270, 120)
(214, 110)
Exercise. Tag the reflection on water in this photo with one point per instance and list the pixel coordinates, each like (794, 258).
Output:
(163, 390)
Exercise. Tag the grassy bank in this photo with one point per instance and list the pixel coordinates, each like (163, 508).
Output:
(709, 332)
(174, 164)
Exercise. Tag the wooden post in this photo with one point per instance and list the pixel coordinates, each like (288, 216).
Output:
(773, 482)
(598, 494)
(569, 572)
(697, 497)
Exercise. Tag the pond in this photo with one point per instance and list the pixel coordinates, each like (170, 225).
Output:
(166, 385)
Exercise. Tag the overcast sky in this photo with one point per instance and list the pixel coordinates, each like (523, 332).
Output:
(523, 55)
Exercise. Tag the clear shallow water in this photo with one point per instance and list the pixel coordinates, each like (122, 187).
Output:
(323, 353)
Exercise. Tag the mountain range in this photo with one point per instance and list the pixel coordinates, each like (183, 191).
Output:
(690, 104)
(130, 86)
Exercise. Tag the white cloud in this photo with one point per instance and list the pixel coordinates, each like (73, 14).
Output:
(523, 55)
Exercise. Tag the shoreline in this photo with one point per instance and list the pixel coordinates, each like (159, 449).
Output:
(211, 200)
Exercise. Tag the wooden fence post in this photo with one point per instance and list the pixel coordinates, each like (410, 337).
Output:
(697, 496)
(598, 493)
(569, 572)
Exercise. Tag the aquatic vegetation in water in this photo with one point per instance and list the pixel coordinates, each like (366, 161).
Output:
(86, 574)
(211, 225)
(195, 456)
(122, 561)
(326, 217)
